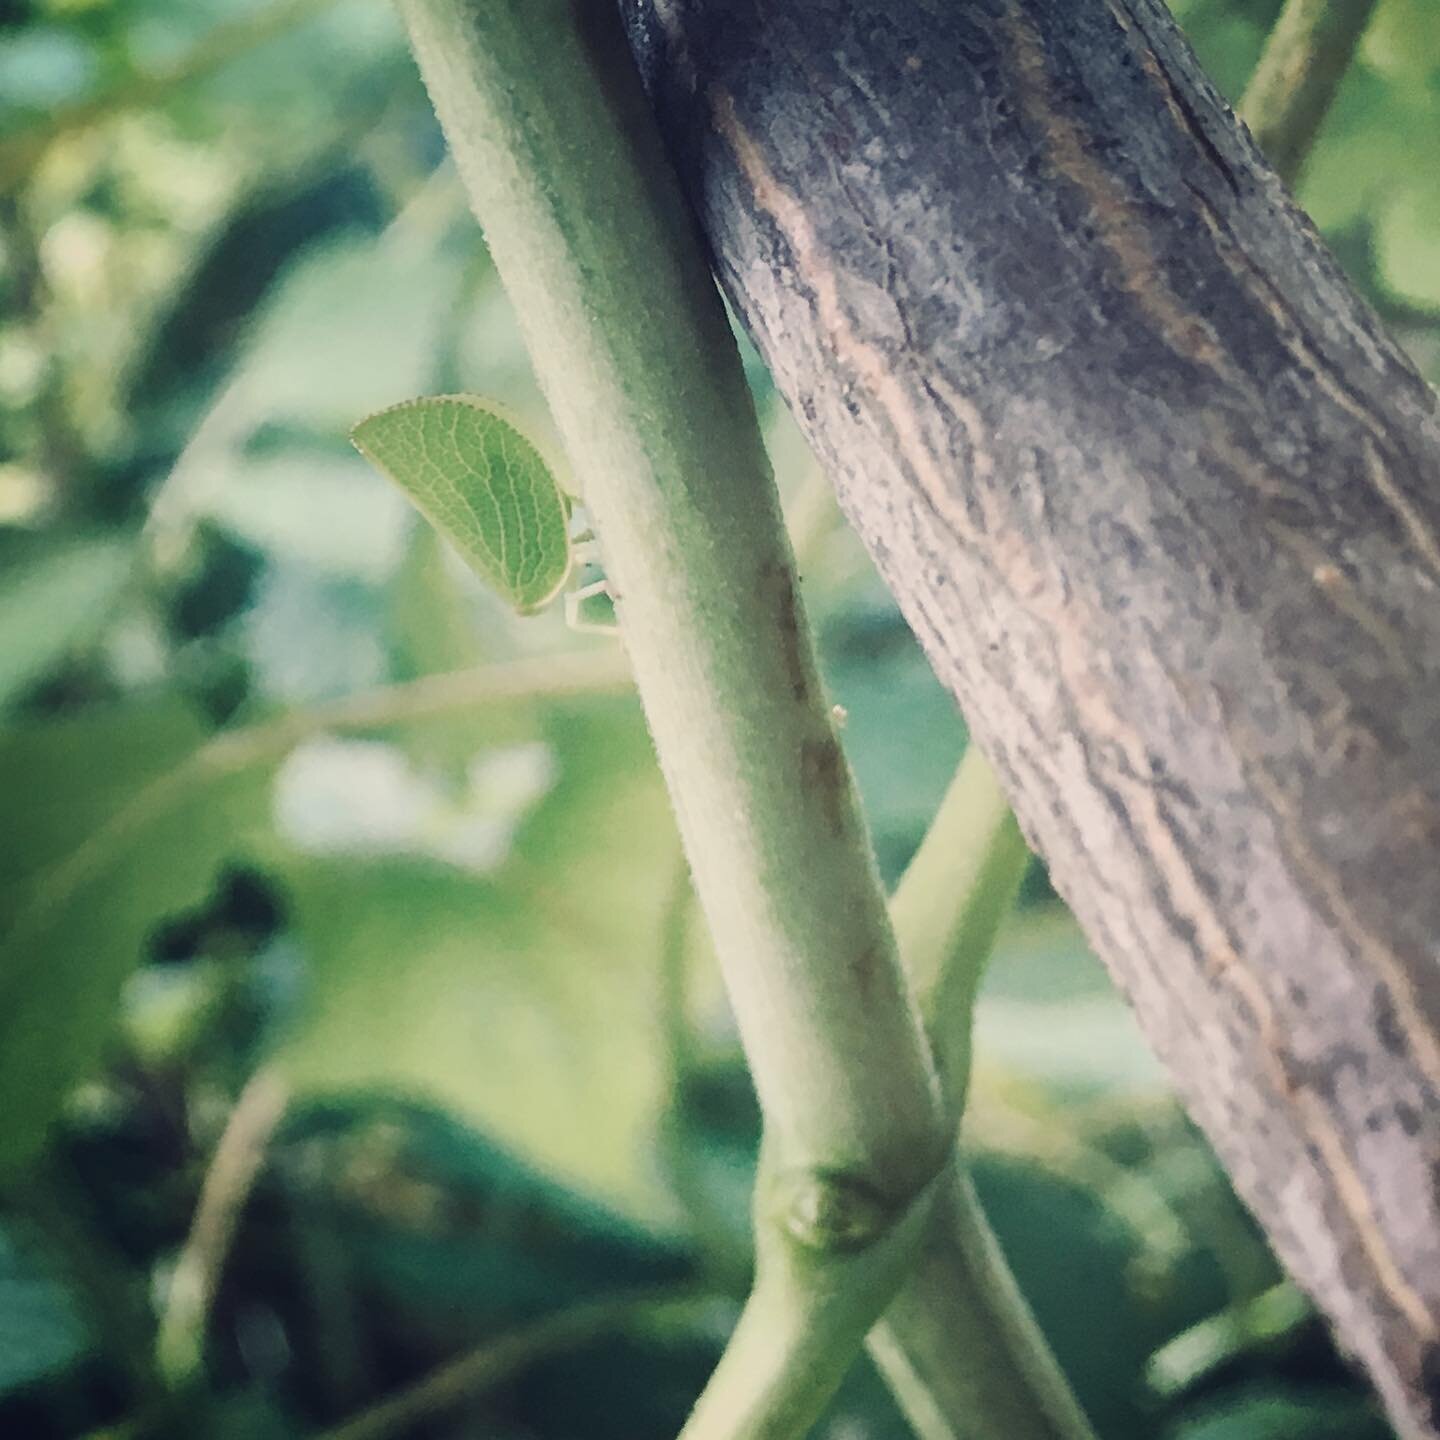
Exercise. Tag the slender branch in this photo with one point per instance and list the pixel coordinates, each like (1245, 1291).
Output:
(600, 671)
(958, 1345)
(553, 138)
(947, 909)
(238, 1158)
(994, 1124)
(1183, 1362)
(1292, 88)
(497, 1360)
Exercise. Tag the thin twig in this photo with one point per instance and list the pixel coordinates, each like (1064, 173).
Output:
(958, 1345)
(1184, 1361)
(495, 1361)
(947, 909)
(1305, 58)
(237, 1162)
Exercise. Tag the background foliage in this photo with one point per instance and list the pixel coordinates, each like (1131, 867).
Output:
(453, 924)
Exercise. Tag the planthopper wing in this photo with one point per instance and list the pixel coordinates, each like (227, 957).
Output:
(483, 486)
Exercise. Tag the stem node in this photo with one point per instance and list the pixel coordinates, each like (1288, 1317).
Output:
(833, 1212)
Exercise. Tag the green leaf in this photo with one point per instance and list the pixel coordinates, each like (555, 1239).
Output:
(1063, 1242)
(284, 505)
(1048, 1012)
(1374, 142)
(524, 997)
(392, 1162)
(44, 66)
(52, 601)
(483, 485)
(113, 822)
(1227, 41)
(1402, 42)
(1407, 245)
(40, 1331)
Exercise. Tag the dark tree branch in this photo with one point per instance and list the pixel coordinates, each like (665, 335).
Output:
(1162, 501)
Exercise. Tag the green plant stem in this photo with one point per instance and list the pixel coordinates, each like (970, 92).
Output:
(554, 141)
(803, 1324)
(947, 910)
(957, 1345)
(234, 1168)
(1292, 88)
(1194, 1354)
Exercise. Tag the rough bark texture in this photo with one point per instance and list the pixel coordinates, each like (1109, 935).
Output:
(1162, 502)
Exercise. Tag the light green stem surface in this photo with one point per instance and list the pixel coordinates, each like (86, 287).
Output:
(554, 141)
(947, 909)
(1299, 72)
(957, 1345)
(804, 1322)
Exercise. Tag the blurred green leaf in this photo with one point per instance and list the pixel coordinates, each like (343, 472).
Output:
(350, 326)
(310, 636)
(1064, 1245)
(347, 326)
(1407, 242)
(108, 832)
(483, 485)
(51, 600)
(289, 506)
(527, 997)
(1402, 42)
(1375, 140)
(40, 1330)
(875, 670)
(42, 67)
(249, 1415)
(1048, 1011)
(447, 1224)
(1228, 41)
